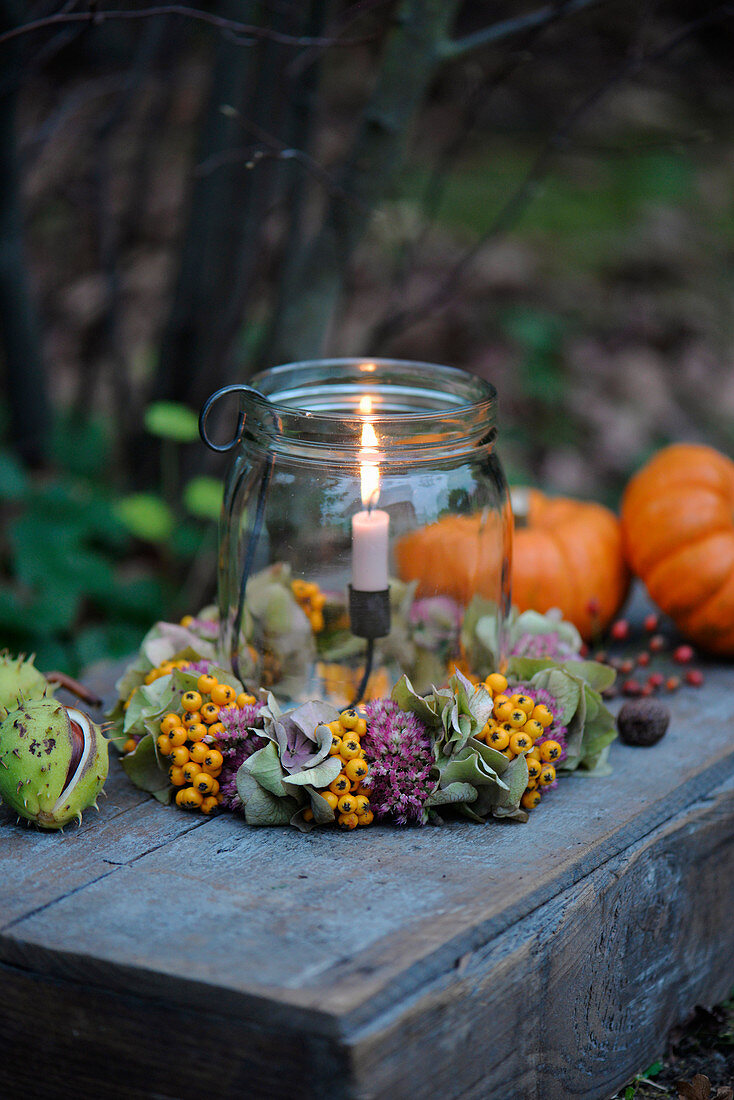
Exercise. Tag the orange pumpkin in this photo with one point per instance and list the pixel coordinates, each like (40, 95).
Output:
(678, 529)
(459, 556)
(568, 554)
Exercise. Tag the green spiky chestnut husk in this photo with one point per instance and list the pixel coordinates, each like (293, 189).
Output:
(53, 762)
(20, 679)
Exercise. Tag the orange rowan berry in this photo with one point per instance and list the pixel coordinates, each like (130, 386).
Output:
(547, 775)
(209, 803)
(215, 729)
(530, 800)
(550, 750)
(356, 769)
(223, 695)
(193, 718)
(192, 800)
(349, 719)
(177, 737)
(164, 745)
(205, 784)
(205, 683)
(197, 730)
(496, 683)
(308, 815)
(170, 722)
(534, 767)
(330, 797)
(130, 745)
(209, 713)
(191, 700)
(520, 743)
(350, 747)
(503, 711)
(533, 728)
(191, 770)
(198, 752)
(523, 702)
(176, 775)
(187, 620)
(244, 699)
(213, 760)
(517, 717)
(361, 728)
(180, 756)
(336, 728)
(346, 804)
(336, 745)
(541, 714)
(361, 804)
(340, 785)
(499, 738)
(348, 821)
(366, 818)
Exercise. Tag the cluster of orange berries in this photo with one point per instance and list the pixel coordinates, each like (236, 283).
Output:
(189, 741)
(516, 724)
(311, 601)
(347, 795)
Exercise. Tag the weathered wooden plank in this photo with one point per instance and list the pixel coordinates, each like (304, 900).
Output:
(576, 998)
(537, 1013)
(458, 948)
(418, 900)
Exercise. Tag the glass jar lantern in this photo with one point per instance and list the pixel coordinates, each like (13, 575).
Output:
(365, 509)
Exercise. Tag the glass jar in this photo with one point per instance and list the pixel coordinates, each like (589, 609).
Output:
(365, 517)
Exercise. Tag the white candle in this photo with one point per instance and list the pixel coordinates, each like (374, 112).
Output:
(370, 528)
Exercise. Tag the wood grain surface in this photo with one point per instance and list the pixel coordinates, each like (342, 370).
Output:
(540, 961)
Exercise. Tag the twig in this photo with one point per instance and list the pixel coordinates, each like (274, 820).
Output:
(455, 48)
(276, 150)
(518, 200)
(247, 30)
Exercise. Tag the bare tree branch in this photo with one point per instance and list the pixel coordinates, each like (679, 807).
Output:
(233, 26)
(455, 48)
(517, 202)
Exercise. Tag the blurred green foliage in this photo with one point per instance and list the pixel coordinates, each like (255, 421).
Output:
(85, 569)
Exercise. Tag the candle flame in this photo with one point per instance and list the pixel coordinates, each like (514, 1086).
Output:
(368, 467)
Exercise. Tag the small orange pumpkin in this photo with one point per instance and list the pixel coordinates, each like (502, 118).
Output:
(459, 556)
(568, 554)
(678, 530)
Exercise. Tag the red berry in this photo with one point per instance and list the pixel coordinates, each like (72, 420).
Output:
(600, 656)
(672, 683)
(592, 606)
(643, 659)
(650, 623)
(625, 667)
(584, 651)
(646, 690)
(656, 679)
(694, 677)
(657, 643)
(631, 687)
(683, 654)
(620, 630)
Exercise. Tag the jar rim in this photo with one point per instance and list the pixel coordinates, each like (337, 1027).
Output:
(280, 389)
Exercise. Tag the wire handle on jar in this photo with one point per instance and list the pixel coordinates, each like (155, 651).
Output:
(206, 408)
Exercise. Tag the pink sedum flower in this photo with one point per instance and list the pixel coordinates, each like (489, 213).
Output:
(400, 758)
(236, 743)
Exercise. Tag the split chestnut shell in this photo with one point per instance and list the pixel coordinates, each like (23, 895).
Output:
(53, 762)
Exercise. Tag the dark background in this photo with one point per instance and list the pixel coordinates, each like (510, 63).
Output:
(545, 201)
